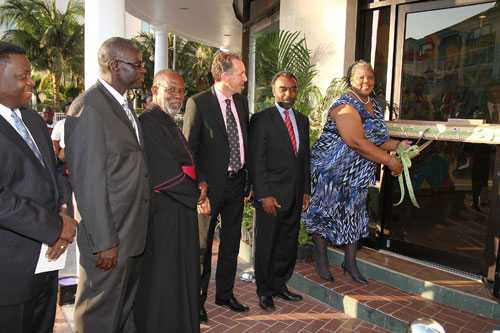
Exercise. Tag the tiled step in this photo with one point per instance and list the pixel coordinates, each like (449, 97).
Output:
(394, 299)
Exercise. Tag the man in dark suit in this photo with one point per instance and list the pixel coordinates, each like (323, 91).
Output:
(107, 167)
(216, 128)
(31, 210)
(483, 155)
(279, 169)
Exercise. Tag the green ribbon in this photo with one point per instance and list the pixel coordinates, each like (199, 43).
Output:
(405, 154)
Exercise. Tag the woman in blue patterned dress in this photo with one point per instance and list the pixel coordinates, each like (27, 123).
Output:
(343, 165)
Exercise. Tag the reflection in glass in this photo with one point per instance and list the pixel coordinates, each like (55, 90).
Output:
(451, 64)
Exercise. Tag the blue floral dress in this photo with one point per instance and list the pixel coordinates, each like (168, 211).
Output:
(341, 177)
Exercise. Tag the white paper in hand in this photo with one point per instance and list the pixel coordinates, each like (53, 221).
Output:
(44, 265)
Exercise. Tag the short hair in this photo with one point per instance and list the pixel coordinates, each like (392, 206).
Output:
(6, 49)
(353, 67)
(111, 49)
(283, 74)
(64, 106)
(161, 74)
(48, 107)
(223, 63)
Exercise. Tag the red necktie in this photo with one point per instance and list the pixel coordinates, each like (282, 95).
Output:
(289, 127)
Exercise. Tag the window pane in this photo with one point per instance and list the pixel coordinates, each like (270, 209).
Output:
(450, 56)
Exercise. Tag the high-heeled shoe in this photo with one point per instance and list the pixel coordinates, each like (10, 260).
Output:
(325, 277)
(359, 279)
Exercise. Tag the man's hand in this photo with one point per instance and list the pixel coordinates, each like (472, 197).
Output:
(204, 208)
(269, 204)
(305, 202)
(249, 197)
(55, 251)
(68, 231)
(107, 259)
(203, 186)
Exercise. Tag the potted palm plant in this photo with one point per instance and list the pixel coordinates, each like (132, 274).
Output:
(304, 249)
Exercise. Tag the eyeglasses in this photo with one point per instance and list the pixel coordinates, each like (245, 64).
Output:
(172, 91)
(139, 64)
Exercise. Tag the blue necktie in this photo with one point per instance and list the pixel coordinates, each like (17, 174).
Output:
(23, 132)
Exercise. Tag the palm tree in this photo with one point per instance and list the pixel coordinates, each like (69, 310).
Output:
(193, 61)
(53, 39)
(277, 51)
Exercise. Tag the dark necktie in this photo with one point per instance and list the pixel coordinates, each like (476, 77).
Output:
(494, 115)
(289, 127)
(233, 138)
(23, 132)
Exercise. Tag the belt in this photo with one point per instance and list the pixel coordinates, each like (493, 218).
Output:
(234, 174)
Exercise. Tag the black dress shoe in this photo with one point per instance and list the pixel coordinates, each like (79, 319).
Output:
(203, 316)
(327, 277)
(233, 304)
(358, 279)
(266, 303)
(287, 295)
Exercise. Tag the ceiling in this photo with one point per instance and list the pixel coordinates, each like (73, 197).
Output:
(211, 22)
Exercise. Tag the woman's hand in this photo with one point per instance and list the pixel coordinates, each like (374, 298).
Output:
(395, 166)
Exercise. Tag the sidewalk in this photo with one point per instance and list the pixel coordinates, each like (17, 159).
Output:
(308, 315)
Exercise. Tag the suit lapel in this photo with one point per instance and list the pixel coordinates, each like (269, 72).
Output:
(214, 107)
(47, 153)
(282, 130)
(241, 117)
(118, 110)
(11, 133)
(302, 129)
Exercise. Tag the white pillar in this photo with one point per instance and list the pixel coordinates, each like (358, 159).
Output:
(103, 19)
(161, 48)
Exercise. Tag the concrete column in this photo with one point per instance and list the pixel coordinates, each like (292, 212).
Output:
(103, 19)
(161, 48)
(330, 30)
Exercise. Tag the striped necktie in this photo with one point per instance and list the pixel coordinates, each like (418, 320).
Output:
(289, 127)
(132, 120)
(23, 132)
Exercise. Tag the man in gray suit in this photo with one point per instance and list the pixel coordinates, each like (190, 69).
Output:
(108, 172)
(31, 210)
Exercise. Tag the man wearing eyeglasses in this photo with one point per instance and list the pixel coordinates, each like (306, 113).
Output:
(108, 172)
(169, 291)
(216, 128)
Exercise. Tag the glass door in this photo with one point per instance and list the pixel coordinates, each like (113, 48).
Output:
(447, 66)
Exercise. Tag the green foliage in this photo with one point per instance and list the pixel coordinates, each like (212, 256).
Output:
(247, 221)
(304, 237)
(192, 60)
(53, 39)
(277, 51)
(319, 114)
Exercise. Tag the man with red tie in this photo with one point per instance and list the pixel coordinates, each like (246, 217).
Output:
(279, 170)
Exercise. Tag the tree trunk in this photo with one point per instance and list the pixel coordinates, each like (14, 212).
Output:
(57, 98)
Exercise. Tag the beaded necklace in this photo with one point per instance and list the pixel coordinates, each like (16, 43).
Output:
(359, 98)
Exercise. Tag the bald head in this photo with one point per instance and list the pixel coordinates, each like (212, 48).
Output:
(112, 49)
(168, 91)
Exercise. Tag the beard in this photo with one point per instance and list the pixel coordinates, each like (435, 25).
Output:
(286, 104)
(170, 108)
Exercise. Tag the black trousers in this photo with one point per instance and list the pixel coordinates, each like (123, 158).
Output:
(35, 315)
(230, 209)
(275, 248)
